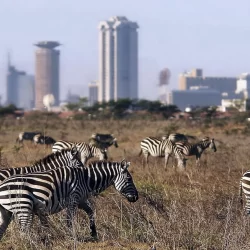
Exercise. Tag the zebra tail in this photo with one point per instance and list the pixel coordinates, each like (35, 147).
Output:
(140, 153)
(240, 193)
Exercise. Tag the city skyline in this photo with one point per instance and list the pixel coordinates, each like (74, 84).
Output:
(118, 59)
(177, 35)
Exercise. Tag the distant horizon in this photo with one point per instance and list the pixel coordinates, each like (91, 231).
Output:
(179, 35)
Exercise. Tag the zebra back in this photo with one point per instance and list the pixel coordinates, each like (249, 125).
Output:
(52, 161)
(86, 151)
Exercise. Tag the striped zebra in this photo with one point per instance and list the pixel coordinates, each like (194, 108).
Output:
(26, 136)
(161, 148)
(87, 151)
(196, 149)
(103, 141)
(245, 188)
(45, 193)
(55, 160)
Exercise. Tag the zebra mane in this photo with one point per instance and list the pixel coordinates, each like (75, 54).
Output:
(51, 156)
(99, 163)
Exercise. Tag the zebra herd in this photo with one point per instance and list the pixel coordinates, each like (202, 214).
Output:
(176, 144)
(66, 180)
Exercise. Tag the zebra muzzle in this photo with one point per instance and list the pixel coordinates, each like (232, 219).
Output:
(132, 198)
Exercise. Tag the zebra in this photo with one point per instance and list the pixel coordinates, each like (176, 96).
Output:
(43, 139)
(103, 140)
(26, 136)
(52, 161)
(188, 149)
(245, 188)
(87, 151)
(161, 148)
(45, 193)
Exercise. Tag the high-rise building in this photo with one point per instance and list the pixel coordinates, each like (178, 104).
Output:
(93, 93)
(20, 88)
(47, 72)
(118, 59)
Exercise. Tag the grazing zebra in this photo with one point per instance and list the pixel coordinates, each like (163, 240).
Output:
(245, 188)
(103, 140)
(87, 151)
(161, 148)
(49, 192)
(196, 149)
(43, 139)
(26, 136)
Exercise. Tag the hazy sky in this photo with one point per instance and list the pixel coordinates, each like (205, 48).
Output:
(178, 34)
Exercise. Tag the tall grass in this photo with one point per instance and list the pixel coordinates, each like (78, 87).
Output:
(194, 209)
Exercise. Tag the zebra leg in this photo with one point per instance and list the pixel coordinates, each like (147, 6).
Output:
(166, 160)
(146, 159)
(86, 206)
(197, 160)
(5, 218)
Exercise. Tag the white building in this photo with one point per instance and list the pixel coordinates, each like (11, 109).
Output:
(93, 93)
(118, 59)
(243, 85)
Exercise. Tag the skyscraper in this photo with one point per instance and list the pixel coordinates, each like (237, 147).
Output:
(118, 59)
(93, 93)
(47, 72)
(20, 88)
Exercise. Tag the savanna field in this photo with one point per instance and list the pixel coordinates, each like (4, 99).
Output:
(193, 209)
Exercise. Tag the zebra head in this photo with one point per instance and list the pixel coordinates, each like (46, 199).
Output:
(103, 154)
(115, 143)
(124, 182)
(75, 156)
(206, 142)
(212, 145)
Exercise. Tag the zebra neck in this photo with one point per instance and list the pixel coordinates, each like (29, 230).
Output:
(99, 176)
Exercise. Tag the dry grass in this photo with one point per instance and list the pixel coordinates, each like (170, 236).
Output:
(195, 209)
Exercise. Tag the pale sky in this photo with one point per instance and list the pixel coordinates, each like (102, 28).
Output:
(178, 34)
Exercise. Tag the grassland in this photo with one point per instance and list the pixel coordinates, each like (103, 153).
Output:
(194, 209)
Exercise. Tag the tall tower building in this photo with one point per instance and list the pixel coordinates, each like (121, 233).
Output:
(47, 72)
(118, 59)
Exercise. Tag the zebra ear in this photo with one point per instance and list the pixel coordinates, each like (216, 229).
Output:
(74, 151)
(124, 165)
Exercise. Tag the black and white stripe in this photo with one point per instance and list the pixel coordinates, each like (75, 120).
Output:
(103, 141)
(161, 148)
(52, 161)
(196, 149)
(245, 188)
(26, 136)
(86, 150)
(49, 192)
